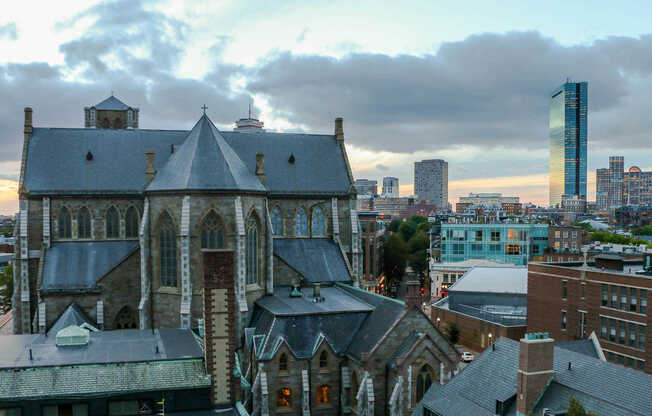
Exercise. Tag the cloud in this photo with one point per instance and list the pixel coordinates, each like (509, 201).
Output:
(9, 31)
(487, 90)
(380, 166)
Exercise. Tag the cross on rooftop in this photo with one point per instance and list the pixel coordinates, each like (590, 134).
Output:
(203, 107)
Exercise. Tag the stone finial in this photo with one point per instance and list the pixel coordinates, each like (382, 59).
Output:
(339, 129)
(149, 166)
(260, 167)
(28, 120)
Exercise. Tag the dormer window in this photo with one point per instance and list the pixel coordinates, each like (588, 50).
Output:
(283, 363)
(323, 360)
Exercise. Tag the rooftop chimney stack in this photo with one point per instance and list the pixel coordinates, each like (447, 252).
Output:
(149, 166)
(339, 130)
(413, 297)
(260, 167)
(28, 120)
(535, 369)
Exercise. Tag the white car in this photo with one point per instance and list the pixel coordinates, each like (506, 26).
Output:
(467, 357)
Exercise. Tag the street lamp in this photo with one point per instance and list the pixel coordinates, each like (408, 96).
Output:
(490, 338)
(438, 320)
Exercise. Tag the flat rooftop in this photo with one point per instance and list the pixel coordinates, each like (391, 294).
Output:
(493, 280)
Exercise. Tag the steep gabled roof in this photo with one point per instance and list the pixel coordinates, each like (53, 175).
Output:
(316, 259)
(111, 103)
(205, 161)
(73, 315)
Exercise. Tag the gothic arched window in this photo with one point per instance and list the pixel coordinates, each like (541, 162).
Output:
(284, 397)
(323, 359)
(126, 319)
(302, 223)
(83, 223)
(112, 223)
(283, 363)
(423, 382)
(131, 223)
(252, 251)
(64, 223)
(318, 223)
(212, 235)
(117, 123)
(168, 251)
(106, 123)
(277, 221)
(324, 394)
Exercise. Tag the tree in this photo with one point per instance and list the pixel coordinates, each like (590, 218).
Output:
(575, 408)
(6, 288)
(393, 226)
(453, 333)
(395, 256)
(418, 248)
(407, 230)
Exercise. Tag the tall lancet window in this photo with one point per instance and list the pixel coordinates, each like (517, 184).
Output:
(112, 223)
(131, 223)
(64, 223)
(212, 235)
(277, 221)
(301, 223)
(168, 252)
(83, 223)
(318, 222)
(252, 251)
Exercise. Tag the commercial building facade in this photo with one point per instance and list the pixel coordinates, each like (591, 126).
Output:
(431, 181)
(390, 187)
(615, 187)
(366, 186)
(501, 242)
(570, 301)
(568, 142)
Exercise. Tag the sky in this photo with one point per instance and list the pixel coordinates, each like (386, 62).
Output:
(469, 83)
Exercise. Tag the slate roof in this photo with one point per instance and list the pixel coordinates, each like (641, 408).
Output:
(56, 160)
(111, 103)
(78, 265)
(601, 386)
(583, 346)
(205, 161)
(316, 259)
(73, 315)
(349, 320)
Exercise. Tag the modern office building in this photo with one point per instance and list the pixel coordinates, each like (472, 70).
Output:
(602, 188)
(390, 187)
(501, 242)
(366, 186)
(431, 181)
(568, 139)
(615, 187)
(616, 168)
(637, 187)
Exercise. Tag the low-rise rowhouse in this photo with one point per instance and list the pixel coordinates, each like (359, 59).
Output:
(538, 376)
(76, 370)
(485, 304)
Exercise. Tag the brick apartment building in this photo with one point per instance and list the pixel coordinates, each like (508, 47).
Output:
(372, 232)
(566, 239)
(570, 301)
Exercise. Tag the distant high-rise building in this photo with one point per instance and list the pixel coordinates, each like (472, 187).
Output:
(431, 181)
(366, 187)
(568, 142)
(616, 170)
(390, 187)
(615, 187)
(637, 187)
(602, 188)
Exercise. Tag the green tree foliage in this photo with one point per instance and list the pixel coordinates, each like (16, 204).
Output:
(407, 230)
(418, 248)
(647, 230)
(607, 237)
(575, 408)
(453, 333)
(395, 255)
(6, 288)
(393, 226)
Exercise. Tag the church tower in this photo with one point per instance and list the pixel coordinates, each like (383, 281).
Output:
(111, 114)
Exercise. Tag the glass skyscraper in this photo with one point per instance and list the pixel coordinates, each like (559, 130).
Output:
(568, 114)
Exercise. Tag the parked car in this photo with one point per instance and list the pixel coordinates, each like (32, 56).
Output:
(467, 357)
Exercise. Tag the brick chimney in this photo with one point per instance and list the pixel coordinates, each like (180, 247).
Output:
(149, 167)
(339, 130)
(413, 298)
(535, 369)
(260, 167)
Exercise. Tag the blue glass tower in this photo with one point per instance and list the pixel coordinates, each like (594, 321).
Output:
(568, 138)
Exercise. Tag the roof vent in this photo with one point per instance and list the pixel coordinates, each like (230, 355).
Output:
(295, 292)
(89, 156)
(291, 159)
(317, 293)
(72, 335)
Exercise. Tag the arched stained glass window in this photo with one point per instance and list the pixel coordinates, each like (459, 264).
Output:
(301, 223)
(318, 222)
(252, 251)
(64, 225)
(126, 319)
(324, 394)
(83, 223)
(284, 397)
(168, 252)
(131, 223)
(277, 221)
(112, 223)
(212, 235)
(423, 382)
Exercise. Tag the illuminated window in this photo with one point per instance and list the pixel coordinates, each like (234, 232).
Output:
(283, 363)
(112, 223)
(512, 235)
(324, 394)
(513, 249)
(277, 221)
(284, 397)
(301, 228)
(83, 223)
(211, 232)
(323, 360)
(64, 223)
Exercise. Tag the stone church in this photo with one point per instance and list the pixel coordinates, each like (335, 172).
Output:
(248, 237)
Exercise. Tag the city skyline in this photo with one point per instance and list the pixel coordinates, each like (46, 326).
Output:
(464, 97)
